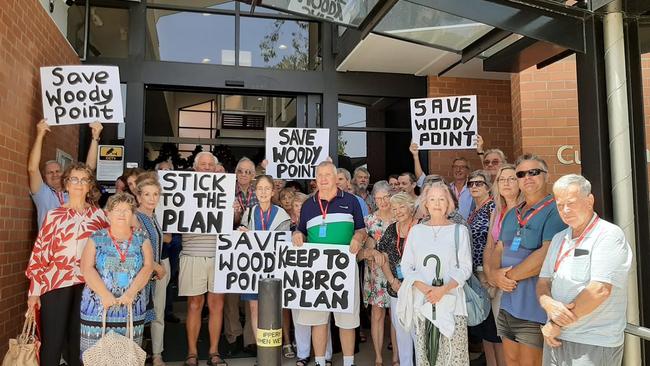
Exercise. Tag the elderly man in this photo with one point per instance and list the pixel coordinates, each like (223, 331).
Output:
(344, 183)
(583, 282)
(361, 181)
(196, 278)
(526, 234)
(330, 207)
(47, 189)
(461, 169)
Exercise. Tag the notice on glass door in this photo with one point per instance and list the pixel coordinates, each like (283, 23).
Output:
(448, 123)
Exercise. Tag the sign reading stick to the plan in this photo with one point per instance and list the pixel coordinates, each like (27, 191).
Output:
(81, 94)
(294, 153)
(196, 203)
(317, 277)
(245, 257)
(444, 123)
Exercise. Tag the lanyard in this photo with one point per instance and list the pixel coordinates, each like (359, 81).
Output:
(323, 211)
(59, 196)
(475, 212)
(522, 221)
(268, 217)
(249, 195)
(562, 256)
(117, 246)
(400, 248)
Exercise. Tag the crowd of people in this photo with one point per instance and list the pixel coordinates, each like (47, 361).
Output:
(554, 272)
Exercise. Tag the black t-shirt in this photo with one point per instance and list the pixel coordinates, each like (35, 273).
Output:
(388, 244)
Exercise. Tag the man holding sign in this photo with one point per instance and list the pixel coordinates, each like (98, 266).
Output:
(331, 216)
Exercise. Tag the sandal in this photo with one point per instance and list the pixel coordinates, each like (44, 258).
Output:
(328, 362)
(189, 357)
(288, 352)
(219, 362)
(302, 361)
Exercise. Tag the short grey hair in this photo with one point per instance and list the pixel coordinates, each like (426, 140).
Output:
(502, 156)
(326, 164)
(381, 186)
(568, 180)
(532, 157)
(483, 174)
(204, 153)
(361, 169)
(242, 161)
(51, 162)
(345, 173)
(158, 165)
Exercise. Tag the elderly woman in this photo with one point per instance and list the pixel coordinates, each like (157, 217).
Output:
(479, 222)
(375, 293)
(286, 197)
(428, 281)
(148, 193)
(264, 216)
(388, 255)
(117, 263)
(53, 271)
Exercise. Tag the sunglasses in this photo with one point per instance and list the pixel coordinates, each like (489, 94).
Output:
(476, 183)
(530, 173)
(488, 162)
(246, 172)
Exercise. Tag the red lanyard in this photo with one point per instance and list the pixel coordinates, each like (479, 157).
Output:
(473, 215)
(117, 246)
(400, 248)
(523, 222)
(323, 211)
(249, 195)
(562, 256)
(59, 196)
(268, 217)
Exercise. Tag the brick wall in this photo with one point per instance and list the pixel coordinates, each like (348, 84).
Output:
(28, 40)
(494, 118)
(545, 114)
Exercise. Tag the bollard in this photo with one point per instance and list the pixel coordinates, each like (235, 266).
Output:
(269, 323)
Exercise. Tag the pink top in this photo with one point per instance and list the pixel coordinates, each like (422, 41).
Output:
(496, 226)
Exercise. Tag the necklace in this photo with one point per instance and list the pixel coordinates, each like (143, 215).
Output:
(436, 232)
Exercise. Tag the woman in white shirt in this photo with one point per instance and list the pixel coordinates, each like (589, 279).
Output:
(428, 242)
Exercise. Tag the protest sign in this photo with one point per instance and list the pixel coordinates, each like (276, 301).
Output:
(81, 94)
(196, 203)
(243, 258)
(110, 162)
(294, 153)
(444, 123)
(317, 277)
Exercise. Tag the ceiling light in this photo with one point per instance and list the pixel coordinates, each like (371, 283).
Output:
(205, 60)
(283, 47)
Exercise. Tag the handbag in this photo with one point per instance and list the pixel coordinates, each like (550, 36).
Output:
(115, 349)
(476, 297)
(23, 350)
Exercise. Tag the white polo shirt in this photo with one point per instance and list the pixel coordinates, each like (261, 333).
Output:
(604, 256)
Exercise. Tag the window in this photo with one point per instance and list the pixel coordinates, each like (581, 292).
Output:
(108, 34)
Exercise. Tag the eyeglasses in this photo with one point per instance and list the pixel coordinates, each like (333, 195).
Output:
(383, 198)
(75, 180)
(530, 173)
(507, 180)
(476, 183)
(488, 162)
(459, 167)
(245, 172)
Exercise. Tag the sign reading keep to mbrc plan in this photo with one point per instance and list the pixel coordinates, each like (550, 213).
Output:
(196, 203)
(245, 257)
(317, 277)
(294, 153)
(81, 94)
(444, 123)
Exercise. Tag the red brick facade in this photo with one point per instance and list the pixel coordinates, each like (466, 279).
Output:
(29, 39)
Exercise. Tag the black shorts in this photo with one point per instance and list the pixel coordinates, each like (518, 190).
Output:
(486, 331)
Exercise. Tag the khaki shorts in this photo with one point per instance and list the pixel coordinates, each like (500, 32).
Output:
(195, 276)
(342, 320)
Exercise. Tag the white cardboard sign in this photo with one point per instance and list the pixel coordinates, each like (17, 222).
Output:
(294, 153)
(243, 258)
(195, 202)
(81, 94)
(448, 123)
(317, 277)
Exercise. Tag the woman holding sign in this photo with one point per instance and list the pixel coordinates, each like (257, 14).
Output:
(265, 216)
(436, 262)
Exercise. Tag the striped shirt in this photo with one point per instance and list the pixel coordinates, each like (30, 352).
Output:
(199, 245)
(343, 216)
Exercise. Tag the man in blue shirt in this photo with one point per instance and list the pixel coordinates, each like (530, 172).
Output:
(461, 169)
(47, 191)
(525, 237)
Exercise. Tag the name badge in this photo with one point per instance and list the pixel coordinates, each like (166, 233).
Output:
(322, 230)
(122, 279)
(516, 242)
(398, 271)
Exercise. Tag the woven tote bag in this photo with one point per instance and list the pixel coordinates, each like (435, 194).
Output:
(115, 349)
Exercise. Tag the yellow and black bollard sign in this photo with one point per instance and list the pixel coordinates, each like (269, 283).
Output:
(269, 332)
